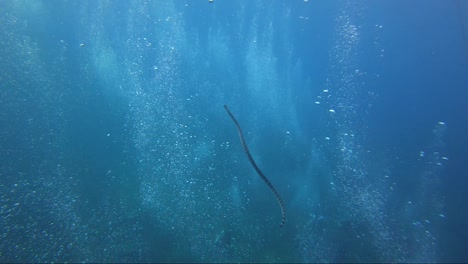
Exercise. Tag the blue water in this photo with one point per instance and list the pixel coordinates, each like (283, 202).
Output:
(116, 146)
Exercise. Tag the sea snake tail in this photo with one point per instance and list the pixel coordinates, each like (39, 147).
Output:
(257, 169)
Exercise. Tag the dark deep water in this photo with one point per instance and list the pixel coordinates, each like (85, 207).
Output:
(116, 146)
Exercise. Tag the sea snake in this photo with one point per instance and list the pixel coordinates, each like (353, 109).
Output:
(259, 172)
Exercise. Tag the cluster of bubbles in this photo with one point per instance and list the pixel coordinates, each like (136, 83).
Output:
(184, 172)
(355, 201)
(38, 220)
(369, 230)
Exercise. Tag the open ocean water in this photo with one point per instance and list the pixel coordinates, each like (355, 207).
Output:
(116, 147)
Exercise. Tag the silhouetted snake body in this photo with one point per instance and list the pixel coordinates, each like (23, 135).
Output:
(257, 169)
